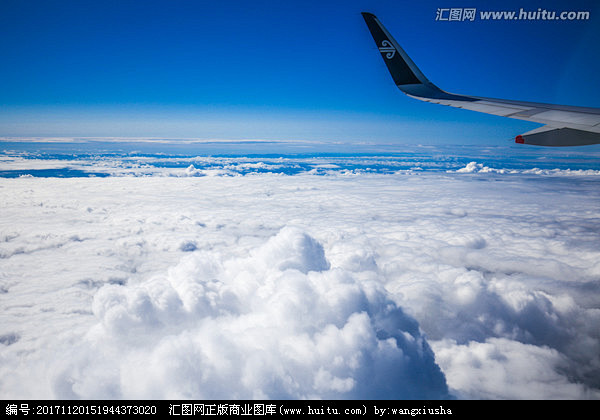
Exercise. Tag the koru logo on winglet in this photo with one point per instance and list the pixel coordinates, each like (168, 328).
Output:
(388, 49)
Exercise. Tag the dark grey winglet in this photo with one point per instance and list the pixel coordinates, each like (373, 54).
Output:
(392, 54)
(403, 70)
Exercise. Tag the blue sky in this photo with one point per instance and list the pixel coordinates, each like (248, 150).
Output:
(279, 70)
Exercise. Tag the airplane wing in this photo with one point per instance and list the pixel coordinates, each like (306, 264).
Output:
(563, 125)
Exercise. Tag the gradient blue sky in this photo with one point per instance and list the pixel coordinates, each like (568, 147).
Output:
(279, 70)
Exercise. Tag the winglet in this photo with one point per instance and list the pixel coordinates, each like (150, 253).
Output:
(401, 67)
(403, 70)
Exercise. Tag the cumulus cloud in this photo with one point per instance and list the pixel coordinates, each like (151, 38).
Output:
(278, 323)
(474, 167)
(338, 284)
(499, 368)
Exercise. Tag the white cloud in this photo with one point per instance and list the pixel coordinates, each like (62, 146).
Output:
(300, 286)
(276, 324)
(499, 368)
(474, 167)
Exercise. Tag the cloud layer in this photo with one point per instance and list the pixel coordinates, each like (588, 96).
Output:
(405, 285)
